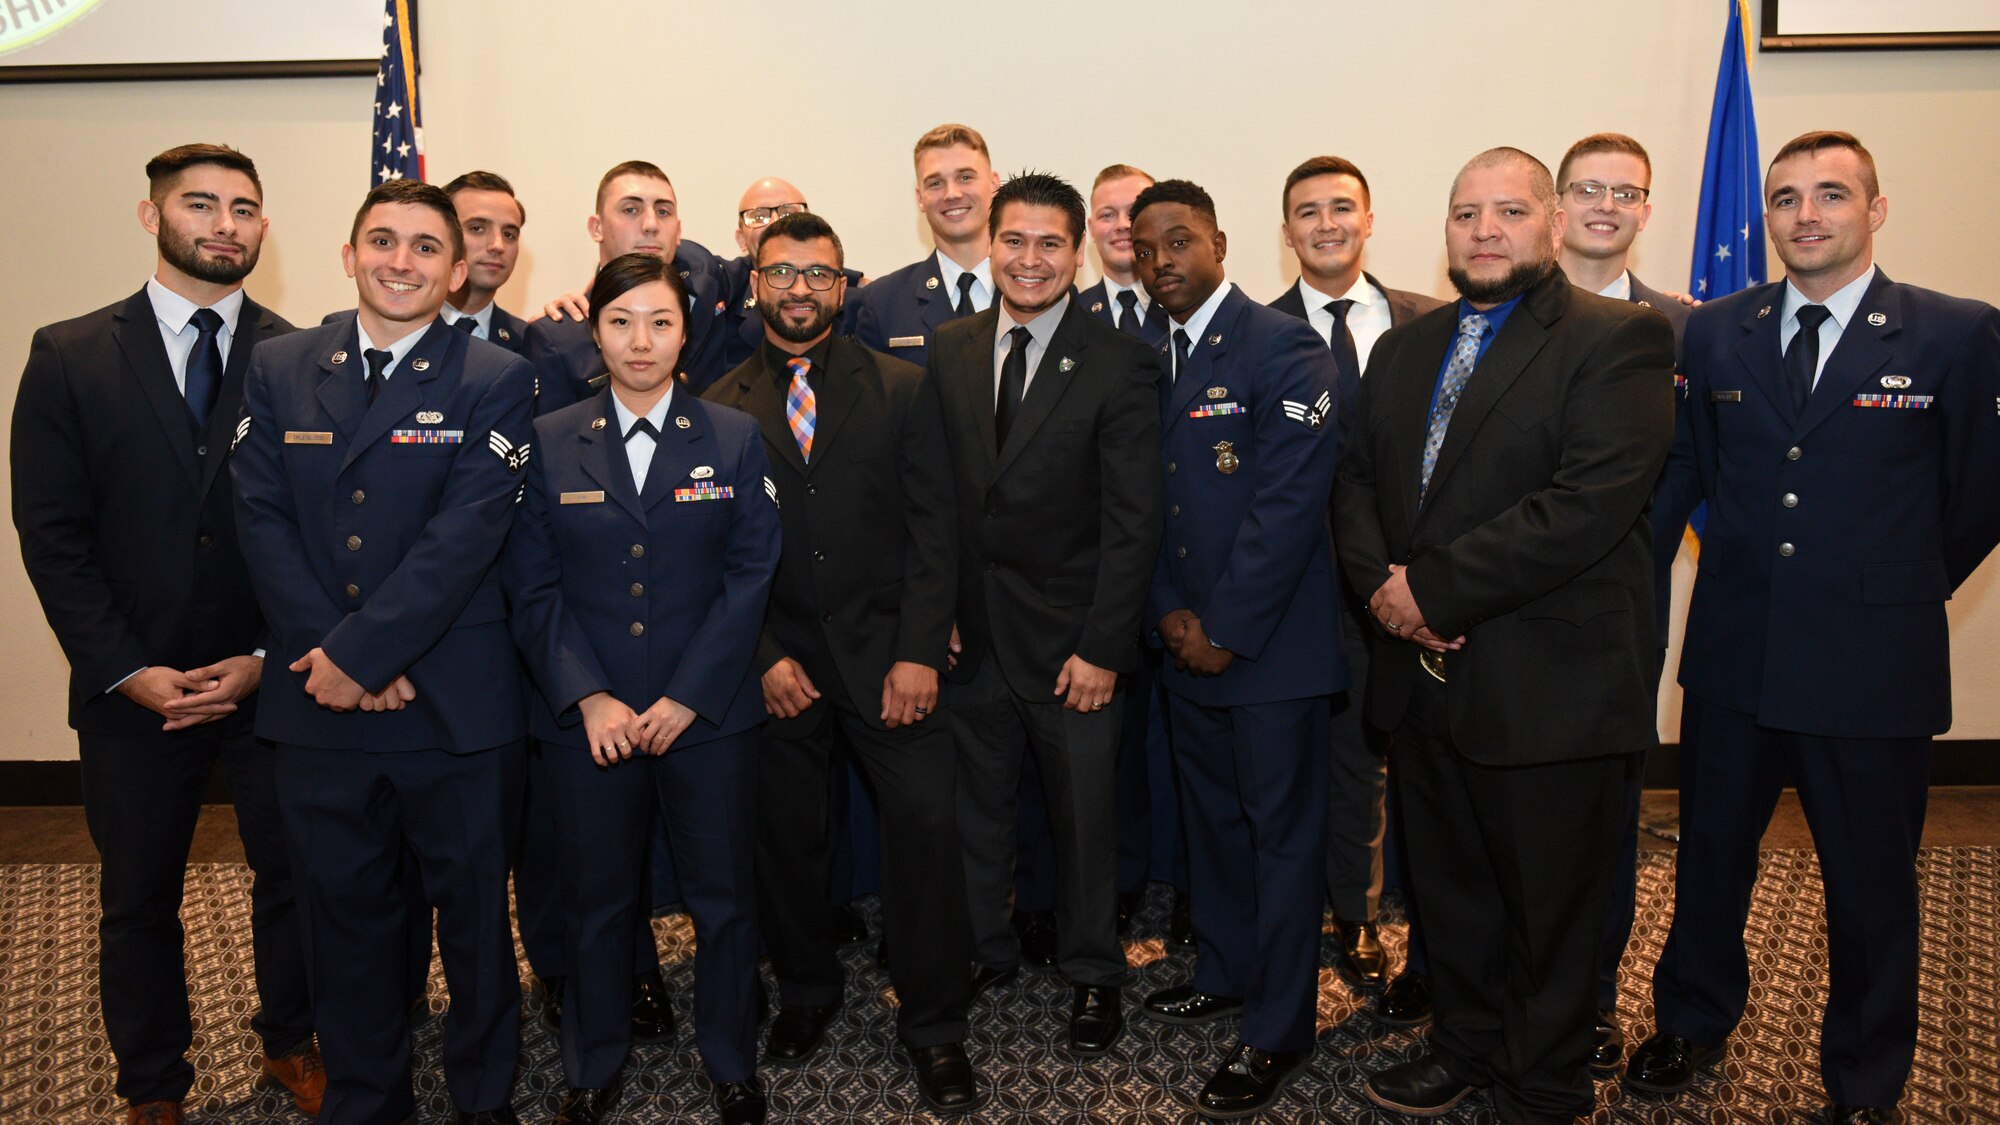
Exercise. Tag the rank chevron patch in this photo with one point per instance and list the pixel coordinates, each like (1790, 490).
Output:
(515, 456)
(1311, 417)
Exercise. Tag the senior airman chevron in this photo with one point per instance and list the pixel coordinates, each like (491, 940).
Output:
(515, 456)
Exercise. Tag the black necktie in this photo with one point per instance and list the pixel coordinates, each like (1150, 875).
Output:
(1128, 312)
(378, 362)
(204, 366)
(642, 426)
(1344, 352)
(1013, 382)
(1181, 349)
(1802, 358)
(964, 306)
(466, 324)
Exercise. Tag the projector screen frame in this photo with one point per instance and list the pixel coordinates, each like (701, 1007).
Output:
(1770, 40)
(175, 72)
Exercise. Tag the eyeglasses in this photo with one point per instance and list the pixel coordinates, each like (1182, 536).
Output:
(818, 278)
(1627, 196)
(765, 216)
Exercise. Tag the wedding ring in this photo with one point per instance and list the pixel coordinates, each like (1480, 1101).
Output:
(922, 710)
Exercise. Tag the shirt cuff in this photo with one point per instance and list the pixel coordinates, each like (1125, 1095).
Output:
(258, 653)
(122, 679)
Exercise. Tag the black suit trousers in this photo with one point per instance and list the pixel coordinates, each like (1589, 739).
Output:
(141, 797)
(913, 777)
(1510, 874)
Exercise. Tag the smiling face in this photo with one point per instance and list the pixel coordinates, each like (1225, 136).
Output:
(403, 264)
(1499, 239)
(1327, 222)
(1602, 229)
(639, 216)
(1177, 254)
(1821, 220)
(799, 316)
(1111, 224)
(210, 224)
(491, 222)
(955, 185)
(640, 334)
(1035, 256)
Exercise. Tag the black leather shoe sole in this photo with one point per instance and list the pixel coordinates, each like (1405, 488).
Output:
(1437, 1110)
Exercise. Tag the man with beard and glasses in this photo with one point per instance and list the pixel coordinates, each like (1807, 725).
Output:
(121, 430)
(1492, 503)
(853, 646)
(762, 203)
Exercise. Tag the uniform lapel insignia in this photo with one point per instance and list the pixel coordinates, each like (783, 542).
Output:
(515, 456)
(1877, 319)
(1763, 312)
(930, 283)
(429, 417)
(702, 472)
(1097, 306)
(420, 365)
(1067, 364)
(597, 423)
(1215, 340)
(504, 335)
(681, 421)
(340, 357)
(1311, 417)
(1895, 382)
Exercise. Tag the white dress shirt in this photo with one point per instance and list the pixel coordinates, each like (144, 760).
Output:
(482, 320)
(1842, 304)
(982, 280)
(175, 315)
(1620, 288)
(1143, 308)
(1040, 331)
(396, 351)
(1196, 324)
(1367, 319)
(639, 448)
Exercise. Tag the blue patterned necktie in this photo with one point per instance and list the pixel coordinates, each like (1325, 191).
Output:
(1464, 357)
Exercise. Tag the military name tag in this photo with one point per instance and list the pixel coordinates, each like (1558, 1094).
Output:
(906, 341)
(596, 497)
(307, 437)
(1725, 396)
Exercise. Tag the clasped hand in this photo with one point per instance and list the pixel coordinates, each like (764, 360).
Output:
(615, 731)
(1182, 633)
(1395, 609)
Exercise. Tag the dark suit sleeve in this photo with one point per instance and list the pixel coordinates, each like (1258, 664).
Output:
(722, 647)
(559, 654)
(863, 322)
(555, 384)
(1972, 448)
(1295, 466)
(930, 574)
(1357, 513)
(1129, 500)
(452, 555)
(1617, 426)
(57, 522)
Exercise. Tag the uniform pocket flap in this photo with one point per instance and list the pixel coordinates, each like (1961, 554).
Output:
(1905, 583)
(1578, 604)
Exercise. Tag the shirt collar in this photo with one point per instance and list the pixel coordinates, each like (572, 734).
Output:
(1042, 328)
(1841, 303)
(1112, 289)
(397, 350)
(1198, 323)
(1620, 288)
(483, 318)
(657, 415)
(775, 359)
(1361, 293)
(174, 310)
(982, 273)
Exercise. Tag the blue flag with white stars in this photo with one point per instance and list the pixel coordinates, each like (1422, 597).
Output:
(1729, 227)
(398, 144)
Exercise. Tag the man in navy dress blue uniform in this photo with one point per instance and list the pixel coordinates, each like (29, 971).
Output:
(127, 531)
(377, 468)
(1844, 431)
(1243, 597)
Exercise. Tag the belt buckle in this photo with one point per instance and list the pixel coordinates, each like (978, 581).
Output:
(1433, 663)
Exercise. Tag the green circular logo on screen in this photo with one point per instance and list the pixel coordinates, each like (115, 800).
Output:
(30, 21)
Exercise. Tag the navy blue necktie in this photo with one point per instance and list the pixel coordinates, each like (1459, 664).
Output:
(1344, 351)
(1128, 312)
(1802, 358)
(466, 324)
(964, 307)
(204, 366)
(378, 362)
(1181, 349)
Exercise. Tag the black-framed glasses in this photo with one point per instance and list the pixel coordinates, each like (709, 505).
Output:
(1591, 192)
(765, 216)
(818, 278)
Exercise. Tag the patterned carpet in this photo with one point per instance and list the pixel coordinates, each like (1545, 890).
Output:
(55, 1067)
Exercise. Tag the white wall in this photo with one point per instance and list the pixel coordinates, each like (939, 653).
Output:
(833, 96)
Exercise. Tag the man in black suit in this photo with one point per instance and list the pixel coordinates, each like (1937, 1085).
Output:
(1327, 221)
(853, 646)
(1492, 501)
(121, 430)
(1053, 426)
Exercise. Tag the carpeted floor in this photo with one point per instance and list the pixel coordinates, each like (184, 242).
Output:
(55, 1066)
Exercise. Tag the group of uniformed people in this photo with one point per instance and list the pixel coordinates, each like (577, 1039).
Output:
(746, 585)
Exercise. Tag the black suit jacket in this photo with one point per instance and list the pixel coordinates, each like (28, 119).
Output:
(1532, 542)
(868, 573)
(124, 511)
(1058, 527)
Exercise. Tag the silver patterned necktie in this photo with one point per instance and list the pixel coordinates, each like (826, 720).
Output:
(1464, 357)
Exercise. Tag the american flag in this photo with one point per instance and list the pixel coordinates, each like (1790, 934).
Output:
(397, 151)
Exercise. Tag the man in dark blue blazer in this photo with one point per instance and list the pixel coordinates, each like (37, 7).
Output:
(1844, 435)
(955, 182)
(1243, 601)
(377, 468)
(120, 432)
(1116, 297)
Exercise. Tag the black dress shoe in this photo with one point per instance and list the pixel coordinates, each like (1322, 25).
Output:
(849, 927)
(1184, 1005)
(798, 1032)
(1249, 1081)
(1860, 1115)
(1666, 1064)
(992, 976)
(552, 1001)
(586, 1107)
(1180, 922)
(1129, 903)
(1607, 1045)
(1421, 1087)
(1406, 1002)
(502, 1116)
(652, 1013)
(1037, 931)
(944, 1078)
(1361, 961)
(741, 1103)
(1096, 1018)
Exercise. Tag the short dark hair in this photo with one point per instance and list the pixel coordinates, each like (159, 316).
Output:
(413, 193)
(1118, 172)
(801, 226)
(1038, 189)
(487, 181)
(1822, 139)
(1321, 166)
(629, 168)
(627, 272)
(1540, 183)
(1185, 192)
(164, 169)
(1602, 142)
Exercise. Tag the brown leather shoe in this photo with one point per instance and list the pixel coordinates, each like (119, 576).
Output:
(154, 1113)
(302, 1073)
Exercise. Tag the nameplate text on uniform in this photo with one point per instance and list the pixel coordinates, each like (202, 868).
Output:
(307, 437)
(593, 497)
(906, 341)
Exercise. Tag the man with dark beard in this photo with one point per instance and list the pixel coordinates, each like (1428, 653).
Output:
(1491, 502)
(853, 645)
(121, 431)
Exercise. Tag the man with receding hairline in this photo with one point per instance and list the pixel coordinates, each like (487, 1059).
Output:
(1492, 503)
